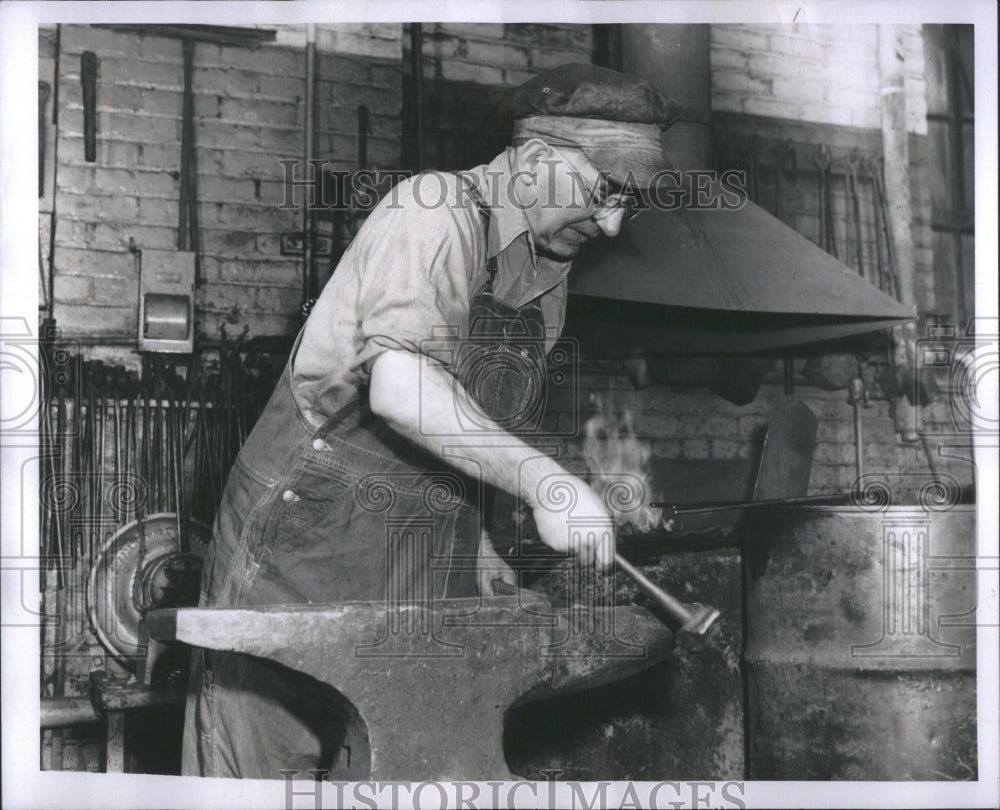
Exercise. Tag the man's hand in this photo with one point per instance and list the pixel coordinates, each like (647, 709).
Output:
(571, 517)
(491, 567)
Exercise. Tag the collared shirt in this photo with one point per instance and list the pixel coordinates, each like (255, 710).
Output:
(407, 280)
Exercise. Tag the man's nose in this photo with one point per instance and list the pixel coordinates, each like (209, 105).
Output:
(611, 224)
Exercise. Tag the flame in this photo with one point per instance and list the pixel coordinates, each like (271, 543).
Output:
(619, 465)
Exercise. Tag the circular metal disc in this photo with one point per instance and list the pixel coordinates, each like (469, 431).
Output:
(137, 570)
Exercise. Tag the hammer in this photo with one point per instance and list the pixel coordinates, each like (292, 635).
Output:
(695, 620)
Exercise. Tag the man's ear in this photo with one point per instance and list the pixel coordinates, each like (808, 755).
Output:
(531, 153)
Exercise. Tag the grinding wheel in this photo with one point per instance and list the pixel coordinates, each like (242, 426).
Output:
(143, 567)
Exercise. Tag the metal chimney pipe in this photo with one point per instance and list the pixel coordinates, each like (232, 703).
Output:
(676, 60)
(896, 154)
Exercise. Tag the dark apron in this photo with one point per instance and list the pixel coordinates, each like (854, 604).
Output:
(349, 511)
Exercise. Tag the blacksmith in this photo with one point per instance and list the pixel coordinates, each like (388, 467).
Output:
(381, 409)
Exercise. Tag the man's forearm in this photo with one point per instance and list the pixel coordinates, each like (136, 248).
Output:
(423, 402)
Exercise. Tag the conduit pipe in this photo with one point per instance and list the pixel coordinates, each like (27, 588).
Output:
(896, 162)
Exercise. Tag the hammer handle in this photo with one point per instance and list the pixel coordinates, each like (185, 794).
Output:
(674, 607)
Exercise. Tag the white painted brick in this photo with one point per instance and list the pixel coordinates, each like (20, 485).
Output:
(95, 262)
(493, 31)
(866, 119)
(776, 108)
(359, 44)
(767, 65)
(480, 74)
(226, 189)
(739, 81)
(545, 58)
(271, 113)
(798, 90)
(440, 48)
(281, 273)
(70, 288)
(75, 39)
(786, 45)
(117, 236)
(741, 37)
(725, 57)
(226, 296)
(142, 74)
(487, 53)
(139, 183)
(224, 81)
(77, 319)
(93, 208)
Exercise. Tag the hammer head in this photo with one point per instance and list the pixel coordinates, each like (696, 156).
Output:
(694, 632)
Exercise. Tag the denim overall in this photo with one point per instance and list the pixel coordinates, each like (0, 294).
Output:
(351, 511)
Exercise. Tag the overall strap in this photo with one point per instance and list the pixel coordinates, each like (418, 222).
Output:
(484, 209)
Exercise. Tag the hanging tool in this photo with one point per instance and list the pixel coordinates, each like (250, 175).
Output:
(881, 272)
(885, 232)
(188, 232)
(97, 512)
(44, 91)
(753, 186)
(828, 237)
(851, 179)
(857, 395)
(88, 78)
(364, 130)
(784, 164)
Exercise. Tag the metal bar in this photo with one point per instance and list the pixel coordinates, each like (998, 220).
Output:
(307, 214)
(115, 750)
(363, 130)
(723, 506)
(88, 78)
(183, 216)
(55, 171)
(852, 163)
(218, 34)
(63, 712)
(44, 91)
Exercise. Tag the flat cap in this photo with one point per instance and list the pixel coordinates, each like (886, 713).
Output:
(616, 120)
(590, 91)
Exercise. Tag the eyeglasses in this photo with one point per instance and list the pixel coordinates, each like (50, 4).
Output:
(628, 203)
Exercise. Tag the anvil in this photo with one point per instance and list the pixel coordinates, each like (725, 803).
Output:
(433, 682)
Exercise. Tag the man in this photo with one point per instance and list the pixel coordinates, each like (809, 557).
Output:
(372, 418)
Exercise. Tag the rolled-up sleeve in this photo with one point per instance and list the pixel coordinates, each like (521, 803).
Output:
(416, 266)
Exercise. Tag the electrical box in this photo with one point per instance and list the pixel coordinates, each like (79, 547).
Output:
(166, 301)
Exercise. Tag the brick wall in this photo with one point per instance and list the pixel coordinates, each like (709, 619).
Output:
(249, 109)
(500, 54)
(822, 73)
(679, 423)
(249, 105)
(826, 75)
